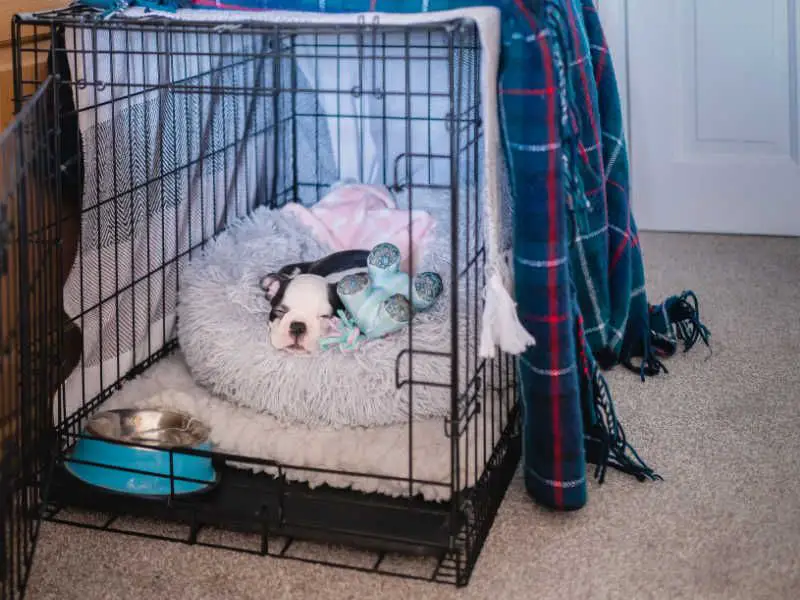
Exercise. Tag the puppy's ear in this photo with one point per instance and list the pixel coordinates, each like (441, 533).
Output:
(272, 284)
(295, 269)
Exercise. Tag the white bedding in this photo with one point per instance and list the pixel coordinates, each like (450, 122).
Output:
(374, 450)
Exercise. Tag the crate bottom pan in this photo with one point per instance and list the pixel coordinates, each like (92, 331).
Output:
(274, 517)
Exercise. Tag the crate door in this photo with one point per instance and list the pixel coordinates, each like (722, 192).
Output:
(30, 328)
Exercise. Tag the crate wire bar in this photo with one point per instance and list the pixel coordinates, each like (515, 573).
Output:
(30, 371)
(422, 84)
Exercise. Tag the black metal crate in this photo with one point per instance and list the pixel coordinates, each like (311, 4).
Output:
(250, 70)
(30, 328)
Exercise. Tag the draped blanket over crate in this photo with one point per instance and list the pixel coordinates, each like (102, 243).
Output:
(578, 269)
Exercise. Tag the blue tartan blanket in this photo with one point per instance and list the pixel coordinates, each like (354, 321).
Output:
(579, 274)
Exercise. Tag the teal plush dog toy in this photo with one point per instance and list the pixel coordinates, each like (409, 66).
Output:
(377, 301)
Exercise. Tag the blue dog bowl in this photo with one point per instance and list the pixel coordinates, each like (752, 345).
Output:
(157, 432)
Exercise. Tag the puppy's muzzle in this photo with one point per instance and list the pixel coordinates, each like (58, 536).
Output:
(297, 329)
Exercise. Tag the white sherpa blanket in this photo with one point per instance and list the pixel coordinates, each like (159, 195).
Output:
(148, 198)
(223, 332)
(382, 451)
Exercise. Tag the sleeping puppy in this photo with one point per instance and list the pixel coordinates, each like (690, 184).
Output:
(303, 297)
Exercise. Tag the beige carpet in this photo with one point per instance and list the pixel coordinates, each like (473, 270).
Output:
(724, 433)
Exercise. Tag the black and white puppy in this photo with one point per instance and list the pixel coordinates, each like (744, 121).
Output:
(302, 298)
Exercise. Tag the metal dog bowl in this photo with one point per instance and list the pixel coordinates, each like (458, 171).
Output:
(156, 432)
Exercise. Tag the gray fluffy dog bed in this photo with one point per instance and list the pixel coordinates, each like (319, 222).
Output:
(222, 330)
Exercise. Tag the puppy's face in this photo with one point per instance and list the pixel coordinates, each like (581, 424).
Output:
(300, 312)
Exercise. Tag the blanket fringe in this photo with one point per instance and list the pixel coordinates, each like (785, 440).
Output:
(676, 320)
(684, 314)
(501, 325)
(618, 453)
(651, 364)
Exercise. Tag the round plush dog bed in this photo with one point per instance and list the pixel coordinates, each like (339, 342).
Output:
(223, 332)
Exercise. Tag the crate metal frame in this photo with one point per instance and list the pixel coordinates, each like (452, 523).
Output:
(30, 371)
(272, 515)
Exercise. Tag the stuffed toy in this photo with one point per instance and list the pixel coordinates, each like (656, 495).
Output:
(377, 300)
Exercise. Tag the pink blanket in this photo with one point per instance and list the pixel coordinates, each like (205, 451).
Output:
(360, 216)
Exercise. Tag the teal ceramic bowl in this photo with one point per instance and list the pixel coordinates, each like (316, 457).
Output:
(157, 432)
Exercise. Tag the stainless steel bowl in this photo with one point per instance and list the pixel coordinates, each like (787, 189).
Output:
(156, 466)
(158, 428)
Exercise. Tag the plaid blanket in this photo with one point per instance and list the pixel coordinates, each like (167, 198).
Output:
(579, 271)
(579, 274)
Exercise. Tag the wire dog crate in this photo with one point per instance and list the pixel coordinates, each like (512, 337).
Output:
(232, 96)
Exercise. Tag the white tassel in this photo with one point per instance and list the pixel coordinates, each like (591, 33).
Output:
(501, 326)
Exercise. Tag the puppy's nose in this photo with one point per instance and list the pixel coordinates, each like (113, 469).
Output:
(297, 328)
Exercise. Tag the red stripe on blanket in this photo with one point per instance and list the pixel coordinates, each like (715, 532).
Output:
(544, 318)
(585, 155)
(552, 272)
(601, 65)
(527, 92)
(620, 250)
(584, 359)
(623, 244)
(594, 191)
(619, 186)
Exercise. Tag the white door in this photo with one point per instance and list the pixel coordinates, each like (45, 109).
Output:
(714, 112)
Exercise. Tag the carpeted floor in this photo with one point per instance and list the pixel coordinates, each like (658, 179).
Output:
(724, 432)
